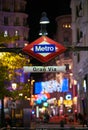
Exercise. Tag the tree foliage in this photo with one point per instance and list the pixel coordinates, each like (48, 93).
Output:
(9, 63)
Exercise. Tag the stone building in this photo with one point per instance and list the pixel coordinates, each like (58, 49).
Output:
(79, 9)
(13, 21)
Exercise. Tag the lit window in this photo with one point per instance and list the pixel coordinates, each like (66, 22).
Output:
(84, 85)
(66, 26)
(16, 33)
(5, 33)
(25, 44)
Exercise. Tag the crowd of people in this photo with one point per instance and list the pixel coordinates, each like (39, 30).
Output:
(83, 119)
(79, 118)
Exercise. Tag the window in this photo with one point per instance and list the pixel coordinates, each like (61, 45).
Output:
(66, 40)
(17, 21)
(67, 66)
(6, 5)
(24, 22)
(5, 33)
(81, 34)
(16, 33)
(80, 6)
(16, 6)
(78, 57)
(22, 6)
(79, 10)
(5, 20)
(78, 35)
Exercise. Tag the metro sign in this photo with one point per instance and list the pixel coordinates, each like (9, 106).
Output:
(44, 49)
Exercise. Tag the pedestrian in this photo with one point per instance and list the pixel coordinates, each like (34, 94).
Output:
(62, 124)
(85, 121)
(71, 118)
(76, 116)
(8, 127)
(46, 117)
(80, 118)
(7, 120)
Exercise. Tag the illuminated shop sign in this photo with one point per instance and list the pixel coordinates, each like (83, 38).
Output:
(68, 96)
(51, 86)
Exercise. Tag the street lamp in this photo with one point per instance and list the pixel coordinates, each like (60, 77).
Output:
(14, 86)
(13, 104)
(43, 21)
(43, 30)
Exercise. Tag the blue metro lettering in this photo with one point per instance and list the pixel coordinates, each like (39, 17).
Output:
(44, 48)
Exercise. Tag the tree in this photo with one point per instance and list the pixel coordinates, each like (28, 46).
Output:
(3, 76)
(9, 62)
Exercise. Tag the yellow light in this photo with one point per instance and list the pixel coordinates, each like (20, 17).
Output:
(75, 100)
(25, 97)
(75, 82)
(20, 94)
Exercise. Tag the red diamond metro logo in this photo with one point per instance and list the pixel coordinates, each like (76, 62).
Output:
(44, 49)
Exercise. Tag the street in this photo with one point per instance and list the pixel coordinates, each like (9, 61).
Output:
(57, 126)
(45, 126)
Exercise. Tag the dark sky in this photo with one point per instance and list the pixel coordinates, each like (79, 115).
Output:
(53, 8)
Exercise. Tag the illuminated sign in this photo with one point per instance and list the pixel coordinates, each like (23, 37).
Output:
(51, 86)
(44, 49)
(41, 69)
(68, 96)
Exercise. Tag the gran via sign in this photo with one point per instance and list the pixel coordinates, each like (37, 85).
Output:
(40, 69)
(44, 49)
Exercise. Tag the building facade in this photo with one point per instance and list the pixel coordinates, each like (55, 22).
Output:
(13, 21)
(80, 59)
(64, 37)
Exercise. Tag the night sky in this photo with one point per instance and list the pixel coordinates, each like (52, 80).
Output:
(53, 9)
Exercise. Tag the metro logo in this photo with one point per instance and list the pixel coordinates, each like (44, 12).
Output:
(44, 49)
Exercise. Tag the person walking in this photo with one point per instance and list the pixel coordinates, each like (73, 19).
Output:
(85, 120)
(46, 117)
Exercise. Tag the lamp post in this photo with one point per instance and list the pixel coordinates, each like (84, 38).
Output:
(43, 21)
(31, 81)
(13, 105)
(14, 86)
